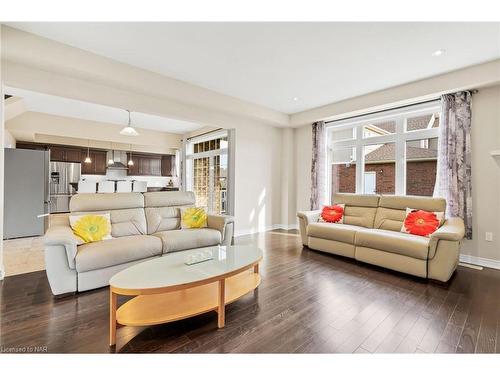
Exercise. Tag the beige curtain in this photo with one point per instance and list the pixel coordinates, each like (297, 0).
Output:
(318, 171)
(454, 176)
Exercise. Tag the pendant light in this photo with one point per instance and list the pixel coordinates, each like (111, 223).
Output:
(111, 160)
(130, 161)
(88, 160)
(129, 130)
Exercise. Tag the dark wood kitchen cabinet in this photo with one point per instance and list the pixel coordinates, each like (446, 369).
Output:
(144, 165)
(66, 154)
(31, 146)
(133, 170)
(155, 166)
(56, 154)
(168, 165)
(98, 162)
(73, 155)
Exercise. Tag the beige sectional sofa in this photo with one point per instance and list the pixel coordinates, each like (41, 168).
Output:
(371, 234)
(144, 226)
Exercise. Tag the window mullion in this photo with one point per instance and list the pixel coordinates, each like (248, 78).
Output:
(360, 160)
(421, 134)
(329, 169)
(400, 156)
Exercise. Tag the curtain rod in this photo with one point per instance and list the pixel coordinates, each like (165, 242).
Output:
(210, 131)
(473, 91)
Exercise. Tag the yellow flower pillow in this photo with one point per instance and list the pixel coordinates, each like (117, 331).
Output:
(92, 227)
(193, 217)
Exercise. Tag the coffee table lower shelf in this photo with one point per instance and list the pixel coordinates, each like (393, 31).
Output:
(147, 310)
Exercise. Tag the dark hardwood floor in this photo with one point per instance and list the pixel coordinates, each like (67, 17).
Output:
(308, 302)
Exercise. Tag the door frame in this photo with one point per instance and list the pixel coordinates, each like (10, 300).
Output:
(370, 173)
(2, 143)
(230, 152)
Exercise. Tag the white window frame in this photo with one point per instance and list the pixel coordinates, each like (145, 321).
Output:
(399, 138)
(189, 156)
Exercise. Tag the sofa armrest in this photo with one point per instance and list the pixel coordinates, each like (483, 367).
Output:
(309, 216)
(220, 223)
(62, 235)
(306, 218)
(452, 230)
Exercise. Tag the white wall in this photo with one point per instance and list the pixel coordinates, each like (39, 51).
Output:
(9, 141)
(288, 161)
(2, 271)
(257, 180)
(258, 176)
(486, 174)
(303, 150)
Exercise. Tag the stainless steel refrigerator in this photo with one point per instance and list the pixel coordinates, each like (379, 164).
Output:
(64, 178)
(26, 193)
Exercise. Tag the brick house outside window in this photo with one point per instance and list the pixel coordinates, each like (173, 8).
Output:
(421, 162)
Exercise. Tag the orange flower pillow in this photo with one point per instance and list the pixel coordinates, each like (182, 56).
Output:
(332, 214)
(422, 223)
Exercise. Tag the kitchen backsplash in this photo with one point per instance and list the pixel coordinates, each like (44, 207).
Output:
(116, 174)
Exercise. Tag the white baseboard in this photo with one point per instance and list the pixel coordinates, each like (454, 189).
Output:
(485, 262)
(288, 227)
(246, 232)
(2, 274)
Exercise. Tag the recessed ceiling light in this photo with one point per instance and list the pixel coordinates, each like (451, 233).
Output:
(295, 99)
(438, 52)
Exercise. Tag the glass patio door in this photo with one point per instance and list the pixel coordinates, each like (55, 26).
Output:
(207, 172)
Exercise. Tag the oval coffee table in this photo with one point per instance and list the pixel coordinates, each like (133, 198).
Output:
(167, 289)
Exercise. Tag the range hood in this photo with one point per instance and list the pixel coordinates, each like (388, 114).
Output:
(119, 158)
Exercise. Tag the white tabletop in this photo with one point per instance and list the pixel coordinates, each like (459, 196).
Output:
(171, 270)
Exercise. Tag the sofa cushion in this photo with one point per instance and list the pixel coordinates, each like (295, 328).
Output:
(169, 199)
(87, 202)
(389, 219)
(394, 242)
(399, 202)
(360, 216)
(160, 219)
(356, 200)
(183, 239)
(360, 209)
(129, 222)
(120, 250)
(336, 232)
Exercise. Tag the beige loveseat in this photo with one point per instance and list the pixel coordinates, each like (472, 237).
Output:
(371, 234)
(144, 226)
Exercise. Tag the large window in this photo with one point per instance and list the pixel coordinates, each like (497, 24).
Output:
(391, 152)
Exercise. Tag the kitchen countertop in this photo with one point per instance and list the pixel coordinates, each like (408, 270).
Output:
(150, 188)
(163, 188)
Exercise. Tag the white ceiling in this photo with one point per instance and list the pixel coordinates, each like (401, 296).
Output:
(272, 63)
(55, 105)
